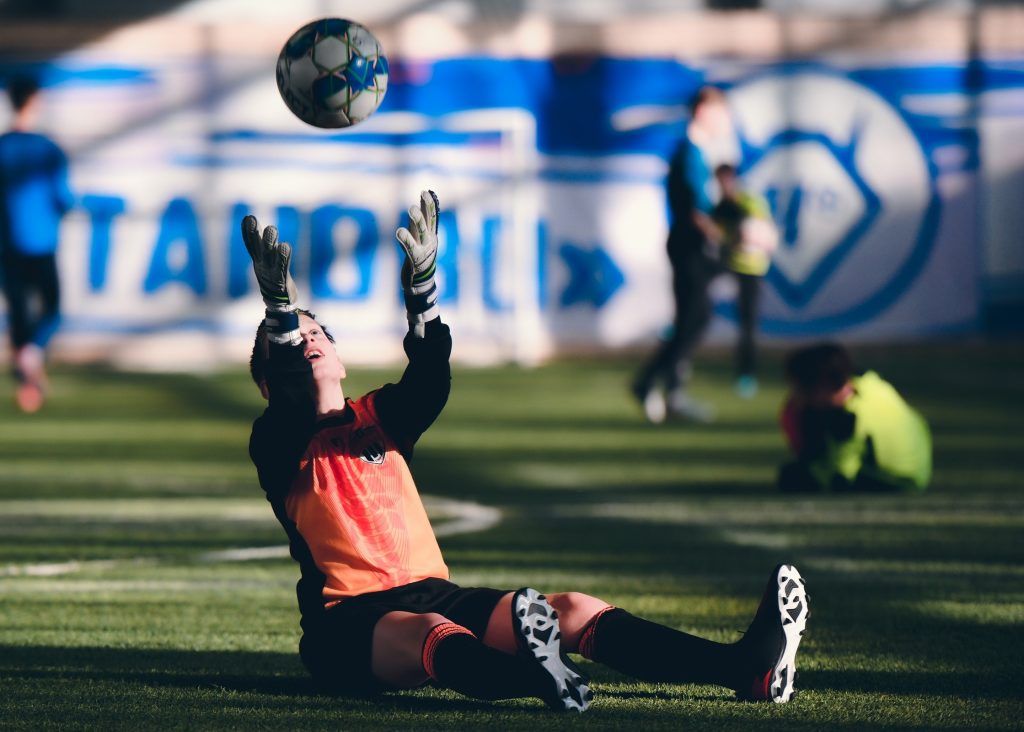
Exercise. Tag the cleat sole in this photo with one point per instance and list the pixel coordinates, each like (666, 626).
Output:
(793, 611)
(538, 634)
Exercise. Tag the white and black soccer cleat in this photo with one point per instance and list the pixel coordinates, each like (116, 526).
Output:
(535, 623)
(773, 637)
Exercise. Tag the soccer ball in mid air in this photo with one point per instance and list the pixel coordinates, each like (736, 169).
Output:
(332, 73)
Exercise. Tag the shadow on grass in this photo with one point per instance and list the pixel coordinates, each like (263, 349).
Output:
(973, 685)
(266, 673)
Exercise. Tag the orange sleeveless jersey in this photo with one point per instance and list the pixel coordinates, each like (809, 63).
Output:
(356, 506)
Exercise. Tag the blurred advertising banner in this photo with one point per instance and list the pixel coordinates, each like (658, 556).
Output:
(894, 177)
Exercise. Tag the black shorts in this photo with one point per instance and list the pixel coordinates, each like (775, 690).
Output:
(338, 650)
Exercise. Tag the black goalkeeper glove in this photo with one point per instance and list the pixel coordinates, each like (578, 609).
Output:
(270, 259)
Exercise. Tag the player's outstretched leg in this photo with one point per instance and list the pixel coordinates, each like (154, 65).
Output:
(761, 666)
(537, 632)
(771, 641)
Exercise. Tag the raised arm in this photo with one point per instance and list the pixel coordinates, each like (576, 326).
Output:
(288, 373)
(282, 433)
(408, 408)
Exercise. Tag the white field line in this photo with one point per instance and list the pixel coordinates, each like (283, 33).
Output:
(56, 569)
(465, 517)
(245, 554)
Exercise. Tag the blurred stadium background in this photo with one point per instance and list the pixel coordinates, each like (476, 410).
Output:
(887, 137)
(886, 133)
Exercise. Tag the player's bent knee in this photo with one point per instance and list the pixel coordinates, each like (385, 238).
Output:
(402, 630)
(398, 646)
(575, 612)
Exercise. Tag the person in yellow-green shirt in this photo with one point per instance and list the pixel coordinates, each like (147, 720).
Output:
(849, 431)
(748, 239)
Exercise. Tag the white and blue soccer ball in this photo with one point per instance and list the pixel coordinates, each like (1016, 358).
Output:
(332, 73)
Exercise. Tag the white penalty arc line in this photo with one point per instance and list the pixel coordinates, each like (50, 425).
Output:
(55, 569)
(466, 517)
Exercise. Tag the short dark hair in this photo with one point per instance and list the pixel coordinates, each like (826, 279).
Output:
(258, 359)
(21, 89)
(725, 169)
(824, 365)
(705, 95)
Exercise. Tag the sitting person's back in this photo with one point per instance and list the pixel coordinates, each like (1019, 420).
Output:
(848, 431)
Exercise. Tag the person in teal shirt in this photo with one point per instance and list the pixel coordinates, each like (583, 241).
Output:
(662, 385)
(849, 431)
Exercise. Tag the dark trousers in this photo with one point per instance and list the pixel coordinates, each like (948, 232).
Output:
(796, 477)
(32, 291)
(672, 362)
(746, 308)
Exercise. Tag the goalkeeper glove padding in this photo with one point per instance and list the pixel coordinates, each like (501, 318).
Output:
(270, 259)
(420, 244)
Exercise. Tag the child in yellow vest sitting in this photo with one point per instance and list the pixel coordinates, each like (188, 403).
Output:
(849, 431)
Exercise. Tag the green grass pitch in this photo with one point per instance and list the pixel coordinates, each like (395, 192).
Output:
(114, 613)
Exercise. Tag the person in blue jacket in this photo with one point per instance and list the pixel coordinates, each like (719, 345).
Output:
(34, 196)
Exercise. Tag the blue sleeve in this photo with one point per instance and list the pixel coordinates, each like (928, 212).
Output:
(696, 175)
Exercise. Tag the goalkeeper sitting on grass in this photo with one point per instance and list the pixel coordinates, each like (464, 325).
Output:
(849, 431)
(378, 611)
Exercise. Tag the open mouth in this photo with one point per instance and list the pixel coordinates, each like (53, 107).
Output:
(314, 355)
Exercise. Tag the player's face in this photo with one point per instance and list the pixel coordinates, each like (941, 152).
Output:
(30, 112)
(727, 184)
(715, 118)
(822, 397)
(319, 351)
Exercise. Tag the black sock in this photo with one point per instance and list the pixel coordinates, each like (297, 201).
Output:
(458, 660)
(653, 652)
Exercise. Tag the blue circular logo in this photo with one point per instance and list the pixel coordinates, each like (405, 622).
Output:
(852, 193)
